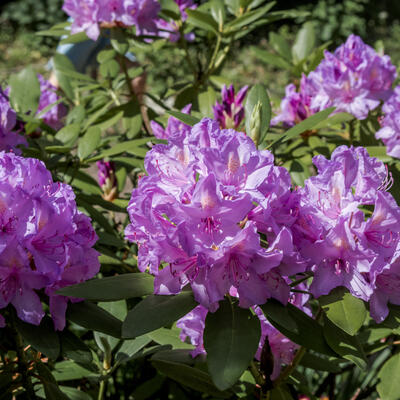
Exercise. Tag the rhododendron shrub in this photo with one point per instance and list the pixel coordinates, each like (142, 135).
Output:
(189, 241)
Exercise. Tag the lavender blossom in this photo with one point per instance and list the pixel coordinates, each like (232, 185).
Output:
(46, 242)
(206, 195)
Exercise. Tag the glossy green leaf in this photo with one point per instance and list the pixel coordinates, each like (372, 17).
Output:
(379, 152)
(202, 20)
(207, 100)
(305, 41)
(231, 338)
(92, 317)
(185, 118)
(130, 347)
(344, 344)
(318, 363)
(270, 58)
(306, 125)
(189, 376)
(157, 311)
(112, 288)
(69, 370)
(389, 385)
(280, 45)
(74, 348)
(248, 18)
(89, 142)
(308, 332)
(50, 386)
(166, 336)
(25, 91)
(344, 310)
(68, 134)
(43, 337)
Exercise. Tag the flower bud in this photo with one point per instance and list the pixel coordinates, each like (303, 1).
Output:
(255, 123)
(107, 180)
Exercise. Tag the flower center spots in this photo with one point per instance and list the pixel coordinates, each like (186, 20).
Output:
(210, 225)
(186, 269)
(236, 270)
(341, 266)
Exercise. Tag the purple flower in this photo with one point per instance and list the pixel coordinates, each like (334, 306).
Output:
(46, 243)
(295, 106)
(170, 29)
(344, 244)
(9, 139)
(230, 112)
(354, 79)
(198, 211)
(89, 15)
(107, 179)
(48, 96)
(390, 131)
(84, 14)
(174, 126)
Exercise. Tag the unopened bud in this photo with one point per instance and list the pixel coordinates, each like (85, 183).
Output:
(107, 180)
(255, 123)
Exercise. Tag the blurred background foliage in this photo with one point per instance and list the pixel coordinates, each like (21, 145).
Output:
(376, 21)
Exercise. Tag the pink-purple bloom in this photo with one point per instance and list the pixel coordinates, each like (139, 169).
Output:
(390, 131)
(52, 117)
(198, 213)
(353, 79)
(46, 243)
(345, 244)
(88, 15)
(171, 29)
(230, 112)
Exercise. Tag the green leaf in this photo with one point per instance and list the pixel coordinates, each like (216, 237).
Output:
(344, 344)
(308, 332)
(118, 148)
(119, 41)
(248, 18)
(75, 394)
(389, 385)
(68, 134)
(185, 118)
(304, 126)
(231, 338)
(379, 152)
(69, 370)
(43, 337)
(62, 63)
(280, 45)
(201, 20)
(258, 93)
(112, 288)
(25, 91)
(166, 336)
(75, 38)
(109, 68)
(305, 41)
(155, 312)
(51, 389)
(207, 100)
(94, 318)
(89, 142)
(217, 9)
(106, 55)
(318, 363)
(270, 58)
(74, 348)
(189, 376)
(274, 310)
(130, 347)
(344, 310)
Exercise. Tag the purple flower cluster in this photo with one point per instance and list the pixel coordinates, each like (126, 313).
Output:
(46, 243)
(390, 131)
(170, 29)
(89, 15)
(9, 138)
(283, 350)
(354, 79)
(230, 112)
(53, 117)
(199, 212)
(348, 228)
